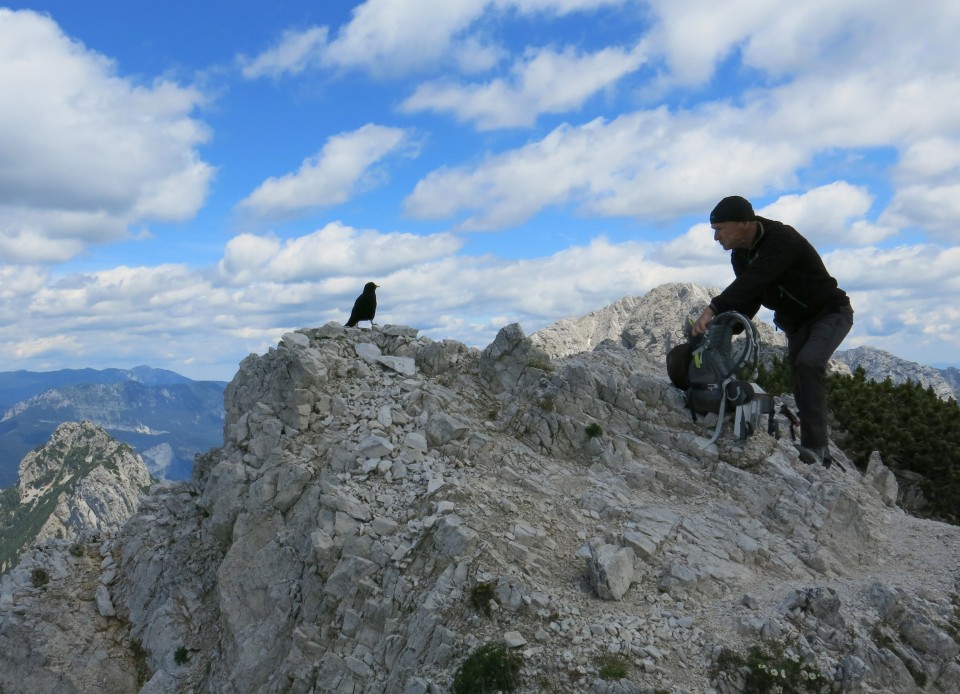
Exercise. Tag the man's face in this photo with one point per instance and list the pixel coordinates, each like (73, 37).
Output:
(732, 235)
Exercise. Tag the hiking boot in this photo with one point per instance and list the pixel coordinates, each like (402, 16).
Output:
(814, 456)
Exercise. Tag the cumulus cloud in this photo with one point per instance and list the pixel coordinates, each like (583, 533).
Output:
(935, 208)
(696, 248)
(335, 250)
(332, 176)
(30, 348)
(18, 282)
(657, 163)
(383, 37)
(647, 164)
(695, 36)
(829, 215)
(921, 271)
(391, 37)
(543, 81)
(87, 152)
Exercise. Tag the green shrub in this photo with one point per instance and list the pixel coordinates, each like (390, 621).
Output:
(594, 430)
(776, 380)
(911, 428)
(181, 656)
(770, 669)
(489, 669)
(39, 578)
(480, 596)
(76, 549)
(613, 666)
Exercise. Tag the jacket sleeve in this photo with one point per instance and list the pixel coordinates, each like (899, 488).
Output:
(754, 276)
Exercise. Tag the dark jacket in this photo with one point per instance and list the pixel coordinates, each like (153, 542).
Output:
(783, 272)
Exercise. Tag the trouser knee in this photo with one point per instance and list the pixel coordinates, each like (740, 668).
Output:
(809, 367)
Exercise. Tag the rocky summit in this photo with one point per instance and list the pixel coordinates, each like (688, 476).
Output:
(652, 323)
(385, 505)
(81, 480)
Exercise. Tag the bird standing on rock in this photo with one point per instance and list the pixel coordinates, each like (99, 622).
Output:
(365, 307)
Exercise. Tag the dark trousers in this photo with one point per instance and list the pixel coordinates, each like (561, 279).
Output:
(809, 349)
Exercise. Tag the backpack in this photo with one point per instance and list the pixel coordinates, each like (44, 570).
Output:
(714, 373)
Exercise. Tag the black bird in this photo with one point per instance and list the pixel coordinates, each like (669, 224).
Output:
(365, 307)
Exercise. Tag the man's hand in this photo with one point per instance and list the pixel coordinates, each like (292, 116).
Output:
(700, 325)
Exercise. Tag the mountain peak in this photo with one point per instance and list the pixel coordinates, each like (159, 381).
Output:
(82, 479)
(879, 365)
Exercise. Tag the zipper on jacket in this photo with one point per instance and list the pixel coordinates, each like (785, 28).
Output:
(785, 293)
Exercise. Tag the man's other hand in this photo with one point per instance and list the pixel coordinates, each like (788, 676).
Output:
(700, 325)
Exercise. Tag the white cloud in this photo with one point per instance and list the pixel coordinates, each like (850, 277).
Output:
(390, 36)
(332, 176)
(87, 153)
(544, 81)
(333, 251)
(294, 53)
(17, 282)
(32, 348)
(695, 36)
(933, 159)
(655, 164)
(202, 322)
(934, 208)
(393, 37)
(826, 215)
(694, 249)
(647, 164)
(916, 272)
(23, 239)
(384, 37)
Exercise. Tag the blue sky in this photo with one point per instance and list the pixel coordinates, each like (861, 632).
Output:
(183, 182)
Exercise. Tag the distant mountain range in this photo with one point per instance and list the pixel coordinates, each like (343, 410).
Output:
(880, 365)
(167, 418)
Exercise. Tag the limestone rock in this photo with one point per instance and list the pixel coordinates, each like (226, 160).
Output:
(82, 479)
(611, 570)
(881, 478)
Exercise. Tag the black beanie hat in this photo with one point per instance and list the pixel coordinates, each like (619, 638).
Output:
(732, 209)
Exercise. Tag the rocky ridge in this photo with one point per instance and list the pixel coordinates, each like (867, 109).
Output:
(81, 480)
(370, 481)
